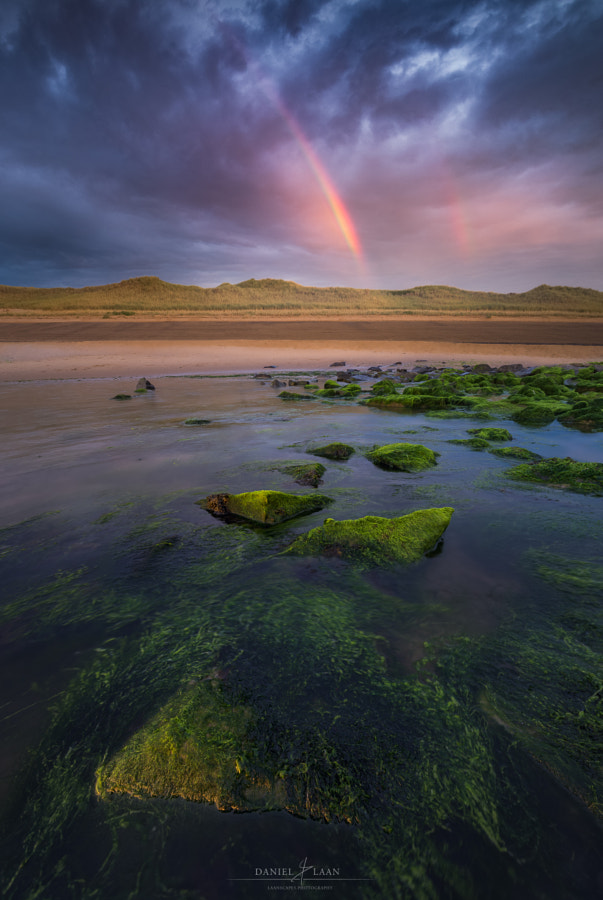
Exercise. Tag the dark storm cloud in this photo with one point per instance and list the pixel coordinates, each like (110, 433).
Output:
(150, 134)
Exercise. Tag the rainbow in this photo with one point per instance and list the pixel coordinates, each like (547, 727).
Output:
(341, 214)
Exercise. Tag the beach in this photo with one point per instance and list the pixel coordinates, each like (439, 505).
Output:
(59, 349)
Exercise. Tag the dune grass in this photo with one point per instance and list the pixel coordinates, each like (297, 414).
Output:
(150, 296)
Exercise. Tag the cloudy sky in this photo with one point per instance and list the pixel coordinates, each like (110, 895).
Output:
(377, 143)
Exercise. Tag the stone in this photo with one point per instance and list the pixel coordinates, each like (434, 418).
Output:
(265, 507)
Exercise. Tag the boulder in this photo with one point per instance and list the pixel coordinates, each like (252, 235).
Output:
(265, 507)
(403, 457)
(336, 450)
(375, 540)
(143, 384)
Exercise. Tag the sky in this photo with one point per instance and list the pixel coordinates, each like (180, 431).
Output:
(362, 143)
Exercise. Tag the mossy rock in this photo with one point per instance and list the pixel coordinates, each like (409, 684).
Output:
(384, 387)
(309, 474)
(375, 540)
(265, 507)
(291, 395)
(585, 415)
(403, 401)
(122, 397)
(515, 453)
(336, 450)
(491, 434)
(198, 747)
(197, 421)
(534, 414)
(476, 443)
(583, 478)
(403, 457)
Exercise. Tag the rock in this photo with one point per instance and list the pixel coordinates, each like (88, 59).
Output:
(403, 457)
(511, 367)
(197, 421)
(336, 450)
(515, 453)
(491, 434)
(143, 384)
(122, 397)
(476, 443)
(585, 415)
(265, 507)
(291, 395)
(308, 474)
(375, 540)
(278, 384)
(299, 383)
(336, 365)
(483, 369)
(583, 478)
(534, 414)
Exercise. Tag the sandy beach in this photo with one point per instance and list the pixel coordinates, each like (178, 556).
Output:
(42, 350)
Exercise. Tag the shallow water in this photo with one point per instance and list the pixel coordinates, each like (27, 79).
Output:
(118, 589)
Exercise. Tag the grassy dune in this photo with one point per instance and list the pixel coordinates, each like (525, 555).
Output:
(149, 296)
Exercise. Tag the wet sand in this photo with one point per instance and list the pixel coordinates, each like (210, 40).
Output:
(41, 350)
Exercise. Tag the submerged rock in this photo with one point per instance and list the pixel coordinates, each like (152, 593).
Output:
(291, 395)
(375, 540)
(491, 434)
(197, 421)
(403, 457)
(265, 507)
(585, 415)
(200, 747)
(476, 443)
(583, 478)
(309, 474)
(122, 397)
(335, 450)
(515, 453)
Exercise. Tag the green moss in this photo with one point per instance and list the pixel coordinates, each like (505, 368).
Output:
(536, 414)
(491, 434)
(305, 473)
(265, 507)
(291, 395)
(197, 421)
(515, 453)
(585, 415)
(122, 397)
(384, 387)
(583, 478)
(403, 457)
(408, 401)
(375, 540)
(476, 443)
(335, 450)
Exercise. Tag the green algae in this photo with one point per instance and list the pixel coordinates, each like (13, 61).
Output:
(476, 443)
(265, 507)
(583, 478)
(309, 474)
(403, 457)
(122, 397)
(538, 413)
(515, 453)
(375, 540)
(491, 434)
(336, 450)
(194, 421)
(291, 395)
(585, 415)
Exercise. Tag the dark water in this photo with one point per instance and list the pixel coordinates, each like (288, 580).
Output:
(459, 696)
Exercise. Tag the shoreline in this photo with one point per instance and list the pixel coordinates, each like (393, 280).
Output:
(76, 360)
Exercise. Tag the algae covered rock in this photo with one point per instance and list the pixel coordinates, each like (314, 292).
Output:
(535, 414)
(291, 395)
(476, 443)
(583, 478)
(265, 507)
(194, 748)
(515, 453)
(491, 434)
(335, 450)
(375, 540)
(122, 397)
(585, 415)
(305, 473)
(403, 457)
